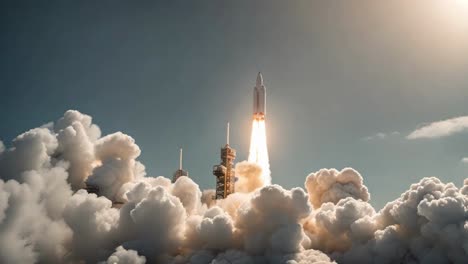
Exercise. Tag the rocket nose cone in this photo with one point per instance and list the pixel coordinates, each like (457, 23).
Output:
(259, 79)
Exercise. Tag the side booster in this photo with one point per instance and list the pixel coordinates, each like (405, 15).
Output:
(259, 105)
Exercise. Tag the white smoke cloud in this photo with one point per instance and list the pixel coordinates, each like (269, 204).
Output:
(94, 223)
(188, 193)
(269, 221)
(154, 224)
(214, 230)
(46, 218)
(330, 185)
(76, 136)
(116, 153)
(31, 227)
(123, 256)
(305, 257)
(464, 190)
(249, 176)
(31, 150)
(335, 227)
(72, 116)
(427, 224)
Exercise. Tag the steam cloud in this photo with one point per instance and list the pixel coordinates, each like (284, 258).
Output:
(46, 216)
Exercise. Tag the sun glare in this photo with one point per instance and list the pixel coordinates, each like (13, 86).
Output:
(462, 3)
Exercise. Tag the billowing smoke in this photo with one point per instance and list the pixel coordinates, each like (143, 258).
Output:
(47, 217)
(330, 185)
(123, 256)
(249, 177)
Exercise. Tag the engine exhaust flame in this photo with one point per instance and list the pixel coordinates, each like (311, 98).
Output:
(258, 152)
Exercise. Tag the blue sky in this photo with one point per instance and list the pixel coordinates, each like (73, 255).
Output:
(172, 73)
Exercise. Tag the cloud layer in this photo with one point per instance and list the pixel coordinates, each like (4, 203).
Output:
(46, 216)
(441, 128)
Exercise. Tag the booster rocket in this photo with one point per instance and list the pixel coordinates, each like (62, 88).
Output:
(259, 105)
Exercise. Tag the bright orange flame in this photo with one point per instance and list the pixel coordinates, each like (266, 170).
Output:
(258, 149)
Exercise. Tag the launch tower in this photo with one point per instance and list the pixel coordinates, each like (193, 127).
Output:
(224, 172)
(180, 172)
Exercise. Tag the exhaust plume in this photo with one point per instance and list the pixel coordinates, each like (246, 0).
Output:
(258, 151)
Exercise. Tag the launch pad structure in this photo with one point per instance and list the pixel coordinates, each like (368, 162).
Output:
(224, 172)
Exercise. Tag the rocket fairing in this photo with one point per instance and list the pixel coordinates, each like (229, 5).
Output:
(259, 105)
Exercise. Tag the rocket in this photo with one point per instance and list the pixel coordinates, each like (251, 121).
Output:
(259, 105)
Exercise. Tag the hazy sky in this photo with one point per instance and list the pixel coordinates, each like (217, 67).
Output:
(172, 73)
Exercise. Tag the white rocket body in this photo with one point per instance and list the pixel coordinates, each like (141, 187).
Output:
(259, 105)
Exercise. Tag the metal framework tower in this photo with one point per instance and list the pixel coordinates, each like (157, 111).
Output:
(224, 172)
(180, 172)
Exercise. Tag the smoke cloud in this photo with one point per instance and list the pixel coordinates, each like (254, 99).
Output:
(47, 217)
(123, 256)
(330, 185)
(249, 177)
